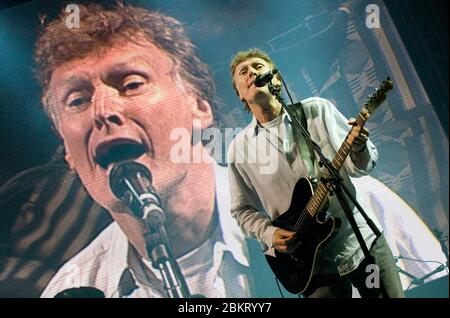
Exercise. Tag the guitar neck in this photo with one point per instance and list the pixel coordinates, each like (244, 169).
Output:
(371, 104)
(321, 191)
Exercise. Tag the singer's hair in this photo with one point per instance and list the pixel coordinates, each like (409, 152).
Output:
(101, 28)
(244, 56)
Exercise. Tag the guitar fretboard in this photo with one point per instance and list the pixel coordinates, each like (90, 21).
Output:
(322, 189)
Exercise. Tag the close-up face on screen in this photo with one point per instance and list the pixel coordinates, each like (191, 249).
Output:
(223, 149)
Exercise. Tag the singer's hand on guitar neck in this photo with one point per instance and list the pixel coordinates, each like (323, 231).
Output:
(285, 241)
(358, 139)
(358, 136)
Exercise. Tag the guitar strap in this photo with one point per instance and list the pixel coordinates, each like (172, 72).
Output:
(306, 151)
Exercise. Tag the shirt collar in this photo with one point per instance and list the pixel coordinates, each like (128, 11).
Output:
(255, 126)
(114, 244)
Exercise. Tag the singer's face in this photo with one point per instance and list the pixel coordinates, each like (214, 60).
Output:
(120, 104)
(244, 76)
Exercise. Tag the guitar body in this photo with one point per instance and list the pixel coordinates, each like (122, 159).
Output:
(295, 270)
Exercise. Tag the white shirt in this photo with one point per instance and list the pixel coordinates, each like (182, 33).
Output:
(261, 195)
(217, 268)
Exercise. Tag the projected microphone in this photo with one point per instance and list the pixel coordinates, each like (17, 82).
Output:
(265, 78)
(131, 182)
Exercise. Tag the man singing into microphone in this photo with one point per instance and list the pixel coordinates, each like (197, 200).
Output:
(258, 198)
(115, 89)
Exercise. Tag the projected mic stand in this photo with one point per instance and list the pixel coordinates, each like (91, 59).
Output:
(160, 253)
(334, 182)
(131, 182)
(158, 249)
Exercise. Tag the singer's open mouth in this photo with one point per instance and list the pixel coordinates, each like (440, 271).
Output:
(118, 150)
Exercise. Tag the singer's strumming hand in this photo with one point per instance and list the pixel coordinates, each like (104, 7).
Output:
(285, 241)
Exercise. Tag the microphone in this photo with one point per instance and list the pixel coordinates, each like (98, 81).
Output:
(263, 79)
(131, 182)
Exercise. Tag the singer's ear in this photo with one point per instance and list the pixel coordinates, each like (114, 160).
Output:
(202, 111)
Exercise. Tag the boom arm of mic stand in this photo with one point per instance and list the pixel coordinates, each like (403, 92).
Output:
(411, 276)
(131, 182)
(421, 280)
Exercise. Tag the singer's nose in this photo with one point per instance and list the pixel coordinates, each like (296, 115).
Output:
(101, 120)
(107, 108)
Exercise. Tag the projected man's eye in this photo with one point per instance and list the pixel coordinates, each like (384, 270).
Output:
(77, 100)
(133, 85)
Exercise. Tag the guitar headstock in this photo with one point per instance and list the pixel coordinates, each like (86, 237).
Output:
(378, 95)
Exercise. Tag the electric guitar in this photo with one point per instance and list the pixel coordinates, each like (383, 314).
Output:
(306, 215)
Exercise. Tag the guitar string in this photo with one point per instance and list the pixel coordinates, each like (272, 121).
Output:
(360, 120)
(305, 213)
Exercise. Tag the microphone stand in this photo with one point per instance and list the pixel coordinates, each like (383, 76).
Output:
(131, 182)
(418, 280)
(334, 182)
(159, 251)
